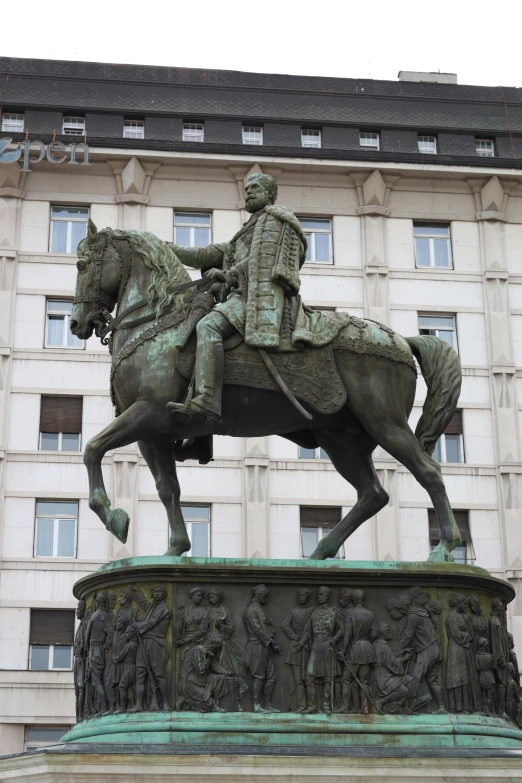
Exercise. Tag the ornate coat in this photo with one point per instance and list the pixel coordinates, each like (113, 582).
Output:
(262, 263)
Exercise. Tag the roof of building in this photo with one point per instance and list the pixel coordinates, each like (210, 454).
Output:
(398, 109)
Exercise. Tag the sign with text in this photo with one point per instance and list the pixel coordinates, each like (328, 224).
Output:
(54, 152)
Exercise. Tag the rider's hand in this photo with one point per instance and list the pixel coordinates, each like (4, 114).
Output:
(215, 274)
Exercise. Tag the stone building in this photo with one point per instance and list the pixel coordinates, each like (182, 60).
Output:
(410, 193)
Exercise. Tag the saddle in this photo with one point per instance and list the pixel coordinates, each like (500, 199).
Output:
(311, 374)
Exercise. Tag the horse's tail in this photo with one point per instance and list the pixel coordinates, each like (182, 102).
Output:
(440, 367)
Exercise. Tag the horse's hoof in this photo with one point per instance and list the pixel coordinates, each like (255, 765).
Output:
(118, 524)
(318, 554)
(177, 549)
(441, 554)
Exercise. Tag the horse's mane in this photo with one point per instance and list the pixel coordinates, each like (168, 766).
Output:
(158, 256)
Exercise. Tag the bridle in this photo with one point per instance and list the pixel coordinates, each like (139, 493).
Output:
(104, 323)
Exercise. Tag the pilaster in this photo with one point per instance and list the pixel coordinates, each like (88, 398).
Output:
(11, 195)
(256, 497)
(491, 201)
(133, 178)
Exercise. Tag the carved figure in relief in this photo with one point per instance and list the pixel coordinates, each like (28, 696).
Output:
(294, 626)
(391, 681)
(152, 653)
(343, 689)
(126, 608)
(460, 668)
(124, 652)
(98, 640)
(192, 622)
(358, 654)
(513, 657)
(260, 649)
(203, 681)
(486, 678)
(231, 656)
(80, 660)
(322, 632)
(512, 696)
(419, 633)
(500, 652)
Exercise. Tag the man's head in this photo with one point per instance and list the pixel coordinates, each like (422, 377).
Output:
(80, 610)
(323, 594)
(393, 609)
(474, 604)
(303, 595)
(159, 593)
(358, 597)
(101, 600)
(214, 643)
(403, 604)
(121, 622)
(260, 190)
(126, 596)
(260, 593)
(384, 631)
(419, 596)
(483, 644)
(458, 601)
(497, 607)
(511, 641)
(345, 596)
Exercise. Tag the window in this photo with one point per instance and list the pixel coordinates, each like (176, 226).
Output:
(253, 134)
(192, 229)
(133, 129)
(68, 228)
(58, 320)
(427, 145)
(310, 138)
(442, 326)
(316, 522)
(51, 639)
(369, 140)
(432, 245)
(312, 453)
(485, 148)
(318, 232)
(73, 126)
(12, 123)
(61, 423)
(450, 447)
(197, 520)
(55, 529)
(41, 736)
(463, 553)
(193, 131)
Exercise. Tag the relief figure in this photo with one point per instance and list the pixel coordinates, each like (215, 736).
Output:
(192, 622)
(486, 678)
(460, 669)
(124, 652)
(231, 655)
(392, 684)
(80, 661)
(500, 652)
(358, 654)
(260, 649)
(203, 681)
(294, 626)
(98, 640)
(152, 655)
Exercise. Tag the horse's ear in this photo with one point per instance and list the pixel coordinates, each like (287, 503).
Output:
(92, 232)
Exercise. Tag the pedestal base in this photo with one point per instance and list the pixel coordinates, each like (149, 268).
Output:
(114, 764)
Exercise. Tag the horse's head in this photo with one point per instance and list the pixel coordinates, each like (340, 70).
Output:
(98, 280)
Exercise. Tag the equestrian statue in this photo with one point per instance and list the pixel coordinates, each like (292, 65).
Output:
(238, 353)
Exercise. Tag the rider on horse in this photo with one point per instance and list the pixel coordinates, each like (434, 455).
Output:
(260, 269)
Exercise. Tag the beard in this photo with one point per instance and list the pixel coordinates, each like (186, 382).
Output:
(255, 204)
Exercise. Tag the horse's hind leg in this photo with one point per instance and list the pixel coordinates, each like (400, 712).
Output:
(352, 458)
(125, 429)
(402, 444)
(160, 459)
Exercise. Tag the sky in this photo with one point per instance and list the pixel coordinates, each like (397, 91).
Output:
(364, 39)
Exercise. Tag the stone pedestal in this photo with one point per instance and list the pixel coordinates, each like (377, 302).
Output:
(114, 765)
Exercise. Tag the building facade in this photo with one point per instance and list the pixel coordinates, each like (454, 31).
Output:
(410, 193)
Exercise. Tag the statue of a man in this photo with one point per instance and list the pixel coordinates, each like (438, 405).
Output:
(260, 649)
(79, 660)
(260, 267)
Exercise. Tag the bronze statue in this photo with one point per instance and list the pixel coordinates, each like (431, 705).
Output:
(152, 654)
(79, 661)
(192, 622)
(203, 681)
(98, 639)
(358, 653)
(353, 364)
(231, 656)
(500, 651)
(322, 632)
(124, 652)
(260, 649)
(294, 626)
(392, 684)
(460, 666)
(486, 678)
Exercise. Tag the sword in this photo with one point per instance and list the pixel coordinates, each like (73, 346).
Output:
(361, 686)
(270, 366)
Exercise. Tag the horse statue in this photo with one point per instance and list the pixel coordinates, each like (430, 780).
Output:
(375, 380)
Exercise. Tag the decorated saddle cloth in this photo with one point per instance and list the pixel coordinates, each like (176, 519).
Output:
(312, 374)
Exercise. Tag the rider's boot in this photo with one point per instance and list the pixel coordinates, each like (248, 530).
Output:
(210, 367)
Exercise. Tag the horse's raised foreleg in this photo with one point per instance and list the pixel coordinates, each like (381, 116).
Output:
(160, 459)
(126, 428)
(352, 458)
